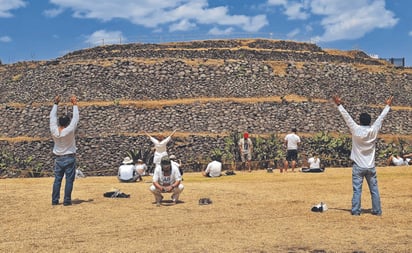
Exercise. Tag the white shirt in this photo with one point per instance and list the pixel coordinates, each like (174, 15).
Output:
(141, 168)
(64, 141)
(126, 171)
(163, 180)
(176, 164)
(292, 141)
(314, 163)
(363, 138)
(246, 145)
(160, 146)
(400, 161)
(214, 169)
(160, 149)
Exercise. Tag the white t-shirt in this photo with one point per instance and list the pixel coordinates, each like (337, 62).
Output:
(163, 180)
(64, 140)
(246, 145)
(363, 138)
(141, 168)
(126, 171)
(314, 163)
(160, 149)
(214, 169)
(400, 161)
(292, 141)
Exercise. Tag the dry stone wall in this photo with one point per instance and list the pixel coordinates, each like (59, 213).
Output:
(244, 69)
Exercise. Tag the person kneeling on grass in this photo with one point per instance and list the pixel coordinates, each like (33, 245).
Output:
(166, 178)
(313, 165)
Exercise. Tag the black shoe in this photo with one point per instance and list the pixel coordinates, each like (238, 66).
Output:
(377, 214)
(67, 204)
(55, 203)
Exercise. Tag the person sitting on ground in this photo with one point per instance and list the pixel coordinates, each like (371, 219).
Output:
(127, 171)
(313, 165)
(214, 168)
(141, 167)
(166, 178)
(177, 163)
(397, 160)
(79, 174)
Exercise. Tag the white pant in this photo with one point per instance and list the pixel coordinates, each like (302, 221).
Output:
(158, 157)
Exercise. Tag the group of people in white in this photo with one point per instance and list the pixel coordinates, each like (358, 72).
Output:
(167, 177)
(129, 172)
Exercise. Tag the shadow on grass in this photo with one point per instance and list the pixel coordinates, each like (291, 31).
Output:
(341, 209)
(369, 211)
(79, 201)
(169, 202)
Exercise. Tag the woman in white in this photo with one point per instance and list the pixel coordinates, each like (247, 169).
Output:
(160, 147)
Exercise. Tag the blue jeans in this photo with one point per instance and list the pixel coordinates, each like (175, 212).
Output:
(369, 174)
(64, 165)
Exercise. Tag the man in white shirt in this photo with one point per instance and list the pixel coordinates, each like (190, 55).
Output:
(63, 133)
(177, 163)
(214, 168)
(127, 171)
(364, 138)
(166, 178)
(246, 149)
(291, 143)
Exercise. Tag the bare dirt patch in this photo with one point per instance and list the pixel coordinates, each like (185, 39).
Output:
(251, 212)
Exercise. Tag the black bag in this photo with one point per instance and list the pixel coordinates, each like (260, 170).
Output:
(230, 173)
(116, 194)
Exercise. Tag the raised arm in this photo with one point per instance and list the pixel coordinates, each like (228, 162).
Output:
(173, 133)
(54, 128)
(147, 134)
(348, 119)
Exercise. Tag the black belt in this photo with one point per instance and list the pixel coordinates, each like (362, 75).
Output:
(67, 155)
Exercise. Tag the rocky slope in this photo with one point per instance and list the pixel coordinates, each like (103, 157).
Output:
(205, 89)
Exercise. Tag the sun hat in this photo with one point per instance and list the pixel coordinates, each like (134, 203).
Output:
(165, 160)
(127, 160)
(172, 157)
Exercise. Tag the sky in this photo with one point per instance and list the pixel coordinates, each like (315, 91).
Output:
(48, 29)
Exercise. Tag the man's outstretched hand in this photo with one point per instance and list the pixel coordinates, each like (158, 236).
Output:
(337, 100)
(57, 100)
(389, 101)
(73, 99)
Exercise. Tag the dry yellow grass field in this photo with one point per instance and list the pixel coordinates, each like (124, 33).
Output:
(251, 212)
